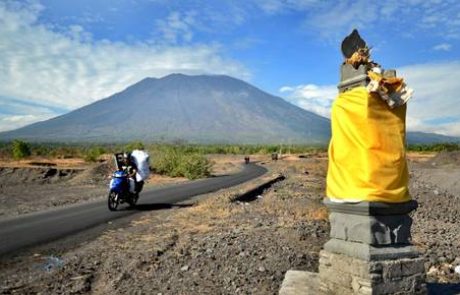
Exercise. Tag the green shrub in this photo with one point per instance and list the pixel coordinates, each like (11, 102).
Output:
(174, 163)
(93, 154)
(135, 145)
(195, 166)
(166, 162)
(20, 149)
(435, 147)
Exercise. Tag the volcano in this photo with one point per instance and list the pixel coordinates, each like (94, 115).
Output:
(196, 109)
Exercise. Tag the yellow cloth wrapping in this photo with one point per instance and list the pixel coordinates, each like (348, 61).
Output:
(367, 160)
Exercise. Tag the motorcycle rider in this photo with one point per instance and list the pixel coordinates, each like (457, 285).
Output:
(131, 170)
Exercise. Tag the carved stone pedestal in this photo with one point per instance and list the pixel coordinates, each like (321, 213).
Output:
(370, 252)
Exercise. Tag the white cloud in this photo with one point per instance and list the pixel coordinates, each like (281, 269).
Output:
(68, 69)
(277, 6)
(436, 96)
(15, 114)
(177, 27)
(332, 19)
(17, 121)
(434, 107)
(314, 98)
(443, 47)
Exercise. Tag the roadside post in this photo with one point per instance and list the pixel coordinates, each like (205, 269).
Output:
(370, 249)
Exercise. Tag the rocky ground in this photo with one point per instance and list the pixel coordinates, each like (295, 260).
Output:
(231, 243)
(435, 184)
(26, 189)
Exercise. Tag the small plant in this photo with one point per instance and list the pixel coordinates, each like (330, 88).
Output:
(435, 147)
(175, 163)
(195, 166)
(20, 149)
(93, 154)
(167, 163)
(135, 145)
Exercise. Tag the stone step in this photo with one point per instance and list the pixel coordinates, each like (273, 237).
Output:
(298, 282)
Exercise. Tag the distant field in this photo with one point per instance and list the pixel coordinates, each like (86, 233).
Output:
(92, 152)
(174, 160)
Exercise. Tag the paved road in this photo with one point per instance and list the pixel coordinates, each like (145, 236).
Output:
(32, 229)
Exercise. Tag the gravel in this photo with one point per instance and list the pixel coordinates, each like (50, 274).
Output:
(436, 227)
(223, 247)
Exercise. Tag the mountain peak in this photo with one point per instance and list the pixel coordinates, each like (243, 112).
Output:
(187, 76)
(195, 108)
(174, 75)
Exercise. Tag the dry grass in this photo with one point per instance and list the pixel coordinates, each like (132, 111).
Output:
(214, 211)
(290, 211)
(297, 198)
(320, 213)
(225, 164)
(288, 203)
(300, 196)
(420, 156)
(74, 163)
(228, 164)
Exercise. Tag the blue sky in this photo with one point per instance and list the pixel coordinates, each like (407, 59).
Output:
(58, 55)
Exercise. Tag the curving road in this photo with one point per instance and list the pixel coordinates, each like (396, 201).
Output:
(35, 228)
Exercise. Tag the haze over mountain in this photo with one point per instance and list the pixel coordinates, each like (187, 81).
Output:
(205, 109)
(197, 109)
(427, 138)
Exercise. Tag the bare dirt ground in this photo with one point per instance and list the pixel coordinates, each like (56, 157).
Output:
(232, 243)
(435, 184)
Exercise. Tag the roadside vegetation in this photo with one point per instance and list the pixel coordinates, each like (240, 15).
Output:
(437, 147)
(91, 152)
(20, 149)
(173, 159)
(175, 163)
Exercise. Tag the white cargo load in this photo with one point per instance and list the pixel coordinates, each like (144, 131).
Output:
(141, 159)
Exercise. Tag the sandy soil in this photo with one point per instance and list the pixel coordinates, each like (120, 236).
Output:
(73, 163)
(227, 164)
(231, 243)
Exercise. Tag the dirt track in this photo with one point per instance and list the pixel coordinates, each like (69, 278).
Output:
(224, 247)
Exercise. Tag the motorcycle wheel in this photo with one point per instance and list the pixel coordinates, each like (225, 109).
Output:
(133, 199)
(113, 201)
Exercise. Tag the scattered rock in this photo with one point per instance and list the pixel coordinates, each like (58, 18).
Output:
(247, 251)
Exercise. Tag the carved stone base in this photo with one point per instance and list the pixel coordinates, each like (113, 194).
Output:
(369, 251)
(343, 274)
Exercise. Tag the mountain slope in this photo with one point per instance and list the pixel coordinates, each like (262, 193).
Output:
(429, 138)
(178, 107)
(198, 109)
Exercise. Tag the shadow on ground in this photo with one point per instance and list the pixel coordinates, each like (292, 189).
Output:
(252, 195)
(443, 289)
(158, 206)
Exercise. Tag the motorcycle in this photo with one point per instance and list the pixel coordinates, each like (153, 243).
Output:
(119, 191)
